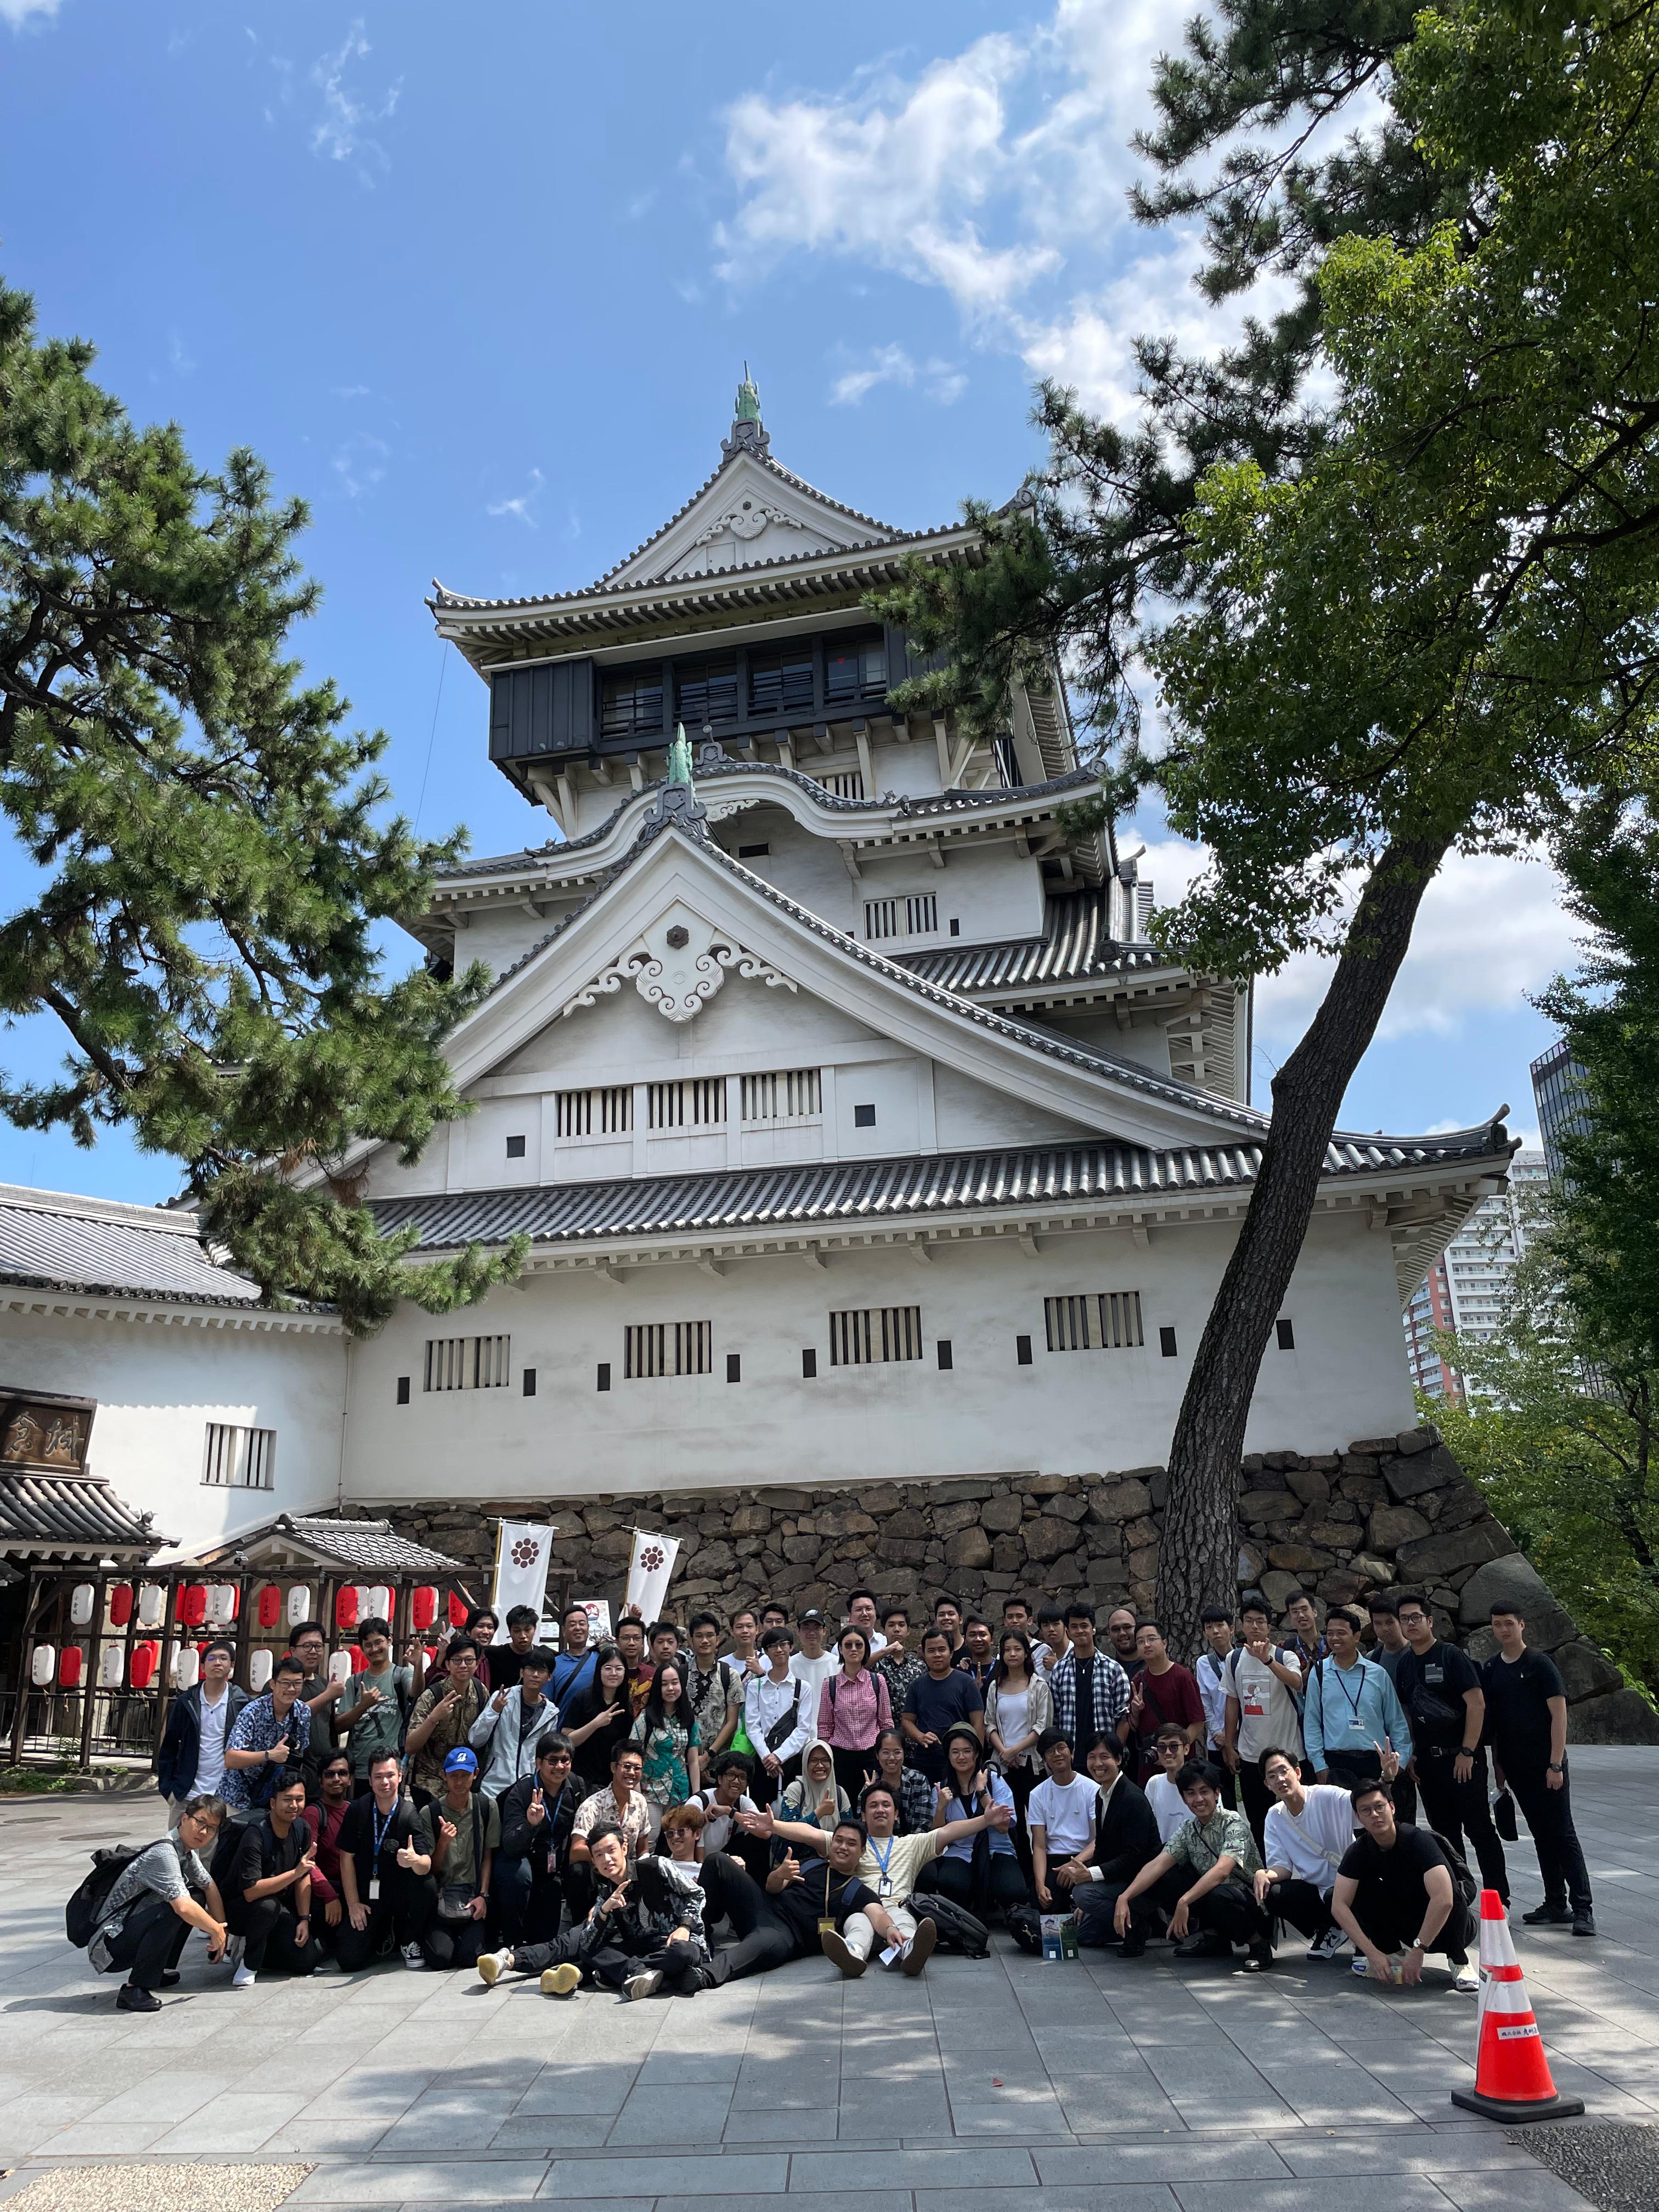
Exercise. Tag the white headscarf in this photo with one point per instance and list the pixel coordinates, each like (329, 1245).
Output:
(825, 1804)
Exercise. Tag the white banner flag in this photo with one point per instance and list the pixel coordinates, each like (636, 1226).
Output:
(523, 1550)
(648, 1572)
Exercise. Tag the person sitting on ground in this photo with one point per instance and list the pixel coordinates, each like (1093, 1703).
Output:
(1309, 1832)
(325, 1819)
(916, 1797)
(1396, 1896)
(983, 1881)
(802, 1908)
(941, 1699)
(269, 1902)
(665, 1734)
(1061, 1813)
(1126, 1839)
(461, 1831)
(510, 1731)
(506, 1661)
(386, 1873)
(644, 1933)
(1161, 1693)
(442, 1716)
(1202, 1878)
(888, 1865)
(1168, 1808)
(383, 1696)
(1351, 1721)
(537, 1815)
(814, 1795)
(599, 1718)
(854, 1708)
(620, 1805)
(158, 1896)
(779, 1715)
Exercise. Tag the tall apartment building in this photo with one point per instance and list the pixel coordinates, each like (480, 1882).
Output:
(1466, 1289)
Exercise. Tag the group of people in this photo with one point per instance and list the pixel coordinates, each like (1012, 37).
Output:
(600, 1813)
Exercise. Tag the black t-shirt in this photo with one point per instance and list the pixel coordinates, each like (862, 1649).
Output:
(263, 1853)
(505, 1665)
(821, 1893)
(937, 1707)
(1517, 1708)
(1398, 1873)
(592, 1760)
(363, 1822)
(1431, 1690)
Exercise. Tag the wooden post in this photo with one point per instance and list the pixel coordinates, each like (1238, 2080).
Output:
(19, 1726)
(158, 1726)
(126, 1655)
(243, 1626)
(89, 1695)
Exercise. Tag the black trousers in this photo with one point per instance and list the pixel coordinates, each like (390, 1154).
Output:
(449, 1943)
(1228, 1910)
(1456, 1809)
(271, 1933)
(1301, 1905)
(852, 1770)
(1549, 1815)
(1022, 1781)
(684, 1966)
(1005, 1885)
(527, 1905)
(764, 1940)
(1348, 1769)
(1095, 1902)
(1391, 1929)
(150, 1943)
(401, 1911)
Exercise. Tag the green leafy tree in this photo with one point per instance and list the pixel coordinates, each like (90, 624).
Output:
(209, 854)
(1421, 637)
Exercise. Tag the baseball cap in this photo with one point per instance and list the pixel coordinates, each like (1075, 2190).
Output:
(812, 1614)
(461, 1761)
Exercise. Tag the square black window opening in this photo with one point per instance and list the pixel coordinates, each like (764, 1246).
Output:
(516, 1148)
(1166, 1342)
(753, 852)
(864, 1117)
(955, 925)
(1286, 1335)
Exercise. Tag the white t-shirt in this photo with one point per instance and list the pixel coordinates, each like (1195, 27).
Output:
(1268, 1713)
(815, 1672)
(891, 1867)
(1067, 1815)
(717, 1829)
(1169, 1807)
(1047, 1659)
(1312, 1847)
(210, 1757)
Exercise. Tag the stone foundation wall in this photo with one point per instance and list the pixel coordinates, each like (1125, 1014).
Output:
(1389, 1509)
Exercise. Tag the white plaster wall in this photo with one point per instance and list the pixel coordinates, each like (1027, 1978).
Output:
(158, 1385)
(1065, 1413)
(499, 935)
(968, 1114)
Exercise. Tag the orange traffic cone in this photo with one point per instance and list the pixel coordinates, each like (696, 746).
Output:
(1512, 2079)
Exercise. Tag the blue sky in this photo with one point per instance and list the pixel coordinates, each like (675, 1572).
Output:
(478, 285)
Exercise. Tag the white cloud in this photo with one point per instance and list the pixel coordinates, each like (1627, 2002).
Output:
(941, 381)
(521, 508)
(341, 133)
(359, 464)
(19, 12)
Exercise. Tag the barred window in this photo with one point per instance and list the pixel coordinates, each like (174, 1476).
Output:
(707, 692)
(854, 669)
(667, 1347)
(844, 783)
(606, 1113)
(239, 1459)
(900, 917)
(784, 1096)
(1107, 1320)
(781, 682)
(878, 1333)
(632, 703)
(467, 1362)
(696, 1102)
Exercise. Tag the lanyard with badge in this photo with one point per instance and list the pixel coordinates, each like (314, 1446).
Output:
(882, 1859)
(827, 1918)
(1356, 1726)
(382, 1829)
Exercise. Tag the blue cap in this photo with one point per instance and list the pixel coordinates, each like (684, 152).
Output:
(461, 1761)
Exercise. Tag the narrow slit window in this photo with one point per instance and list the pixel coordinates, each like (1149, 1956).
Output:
(603, 1113)
(656, 1348)
(692, 1103)
(238, 1458)
(787, 1094)
(467, 1362)
(874, 1334)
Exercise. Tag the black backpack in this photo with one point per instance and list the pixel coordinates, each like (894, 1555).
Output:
(1026, 1926)
(85, 1912)
(958, 1930)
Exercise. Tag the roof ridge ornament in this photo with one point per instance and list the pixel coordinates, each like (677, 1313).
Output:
(748, 431)
(677, 800)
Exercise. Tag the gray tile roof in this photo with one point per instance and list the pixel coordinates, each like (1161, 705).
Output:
(1076, 942)
(371, 1546)
(70, 1512)
(111, 1250)
(826, 1194)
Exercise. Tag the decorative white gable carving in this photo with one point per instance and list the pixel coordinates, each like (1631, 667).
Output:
(748, 514)
(676, 966)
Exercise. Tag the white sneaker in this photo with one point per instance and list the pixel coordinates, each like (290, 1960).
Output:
(492, 1965)
(643, 1985)
(413, 1957)
(1362, 1965)
(1467, 1979)
(243, 1979)
(234, 1946)
(1330, 1945)
(327, 1964)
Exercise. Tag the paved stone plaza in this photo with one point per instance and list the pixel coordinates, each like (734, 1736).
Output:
(1100, 2087)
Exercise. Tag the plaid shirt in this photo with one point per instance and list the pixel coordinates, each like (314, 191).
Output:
(1111, 1694)
(901, 1670)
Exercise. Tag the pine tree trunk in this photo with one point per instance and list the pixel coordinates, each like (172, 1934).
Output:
(1197, 1551)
